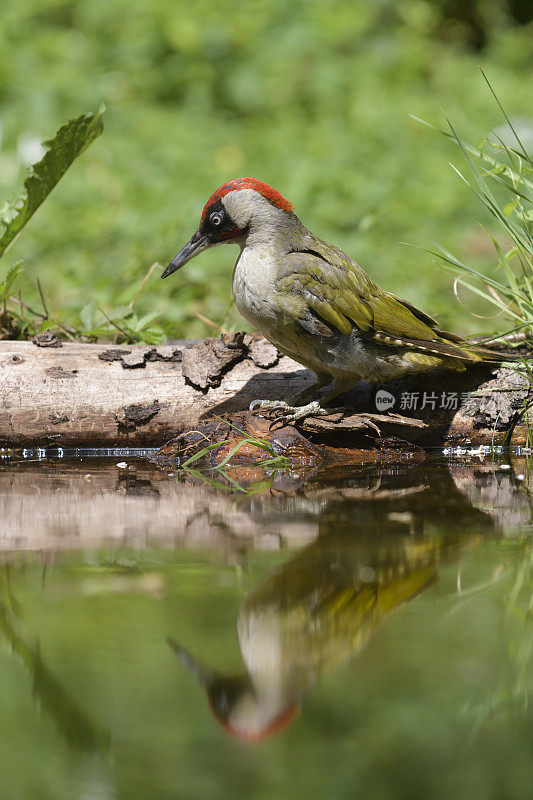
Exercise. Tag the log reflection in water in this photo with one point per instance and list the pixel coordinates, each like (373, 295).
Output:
(65, 505)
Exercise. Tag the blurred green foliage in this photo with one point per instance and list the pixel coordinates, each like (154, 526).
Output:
(310, 96)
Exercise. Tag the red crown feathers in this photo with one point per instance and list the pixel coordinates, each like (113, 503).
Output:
(264, 189)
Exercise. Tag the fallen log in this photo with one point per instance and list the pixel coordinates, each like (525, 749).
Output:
(75, 395)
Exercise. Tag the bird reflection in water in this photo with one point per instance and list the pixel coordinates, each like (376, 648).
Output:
(316, 612)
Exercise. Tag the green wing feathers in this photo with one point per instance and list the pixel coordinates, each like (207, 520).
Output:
(322, 281)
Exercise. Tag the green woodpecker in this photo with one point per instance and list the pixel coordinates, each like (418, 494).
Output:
(315, 303)
(314, 613)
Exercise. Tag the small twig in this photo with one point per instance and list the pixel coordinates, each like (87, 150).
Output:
(510, 338)
(43, 301)
(143, 282)
(210, 323)
(494, 429)
(194, 444)
(70, 332)
(24, 305)
(114, 324)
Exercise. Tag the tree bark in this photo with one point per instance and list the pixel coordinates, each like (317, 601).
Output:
(130, 396)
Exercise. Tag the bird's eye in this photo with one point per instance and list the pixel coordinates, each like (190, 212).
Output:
(216, 218)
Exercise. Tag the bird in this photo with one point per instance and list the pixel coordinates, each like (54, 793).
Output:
(317, 611)
(316, 304)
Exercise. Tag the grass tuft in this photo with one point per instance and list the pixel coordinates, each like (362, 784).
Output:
(500, 175)
(271, 463)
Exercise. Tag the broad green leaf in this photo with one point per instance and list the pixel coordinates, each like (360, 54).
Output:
(87, 315)
(153, 335)
(145, 321)
(68, 143)
(118, 313)
(12, 275)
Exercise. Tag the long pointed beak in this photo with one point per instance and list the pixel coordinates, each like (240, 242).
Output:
(195, 246)
(203, 674)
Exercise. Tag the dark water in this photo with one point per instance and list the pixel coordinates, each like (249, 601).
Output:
(368, 635)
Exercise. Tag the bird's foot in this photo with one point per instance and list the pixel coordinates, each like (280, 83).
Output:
(268, 408)
(281, 412)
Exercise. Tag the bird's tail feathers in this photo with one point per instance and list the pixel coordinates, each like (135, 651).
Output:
(479, 352)
(498, 356)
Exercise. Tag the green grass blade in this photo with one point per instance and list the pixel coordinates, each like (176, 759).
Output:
(489, 298)
(201, 453)
(524, 152)
(234, 450)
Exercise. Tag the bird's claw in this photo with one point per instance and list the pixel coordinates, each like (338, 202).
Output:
(268, 408)
(281, 413)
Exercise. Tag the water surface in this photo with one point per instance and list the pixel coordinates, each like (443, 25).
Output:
(161, 637)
